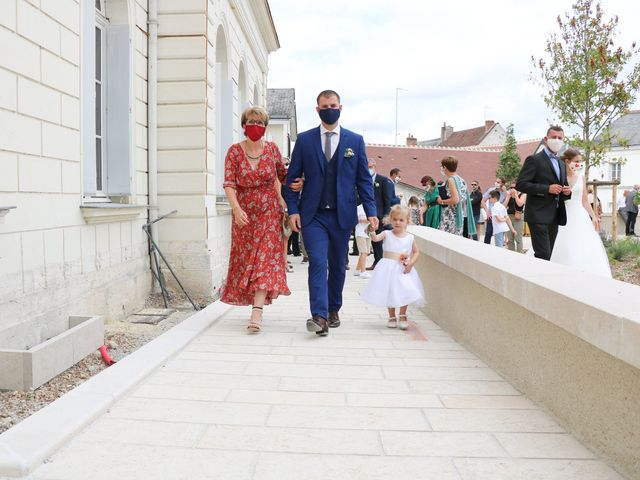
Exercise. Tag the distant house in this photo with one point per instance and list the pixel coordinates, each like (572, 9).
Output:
(622, 162)
(491, 133)
(474, 163)
(283, 122)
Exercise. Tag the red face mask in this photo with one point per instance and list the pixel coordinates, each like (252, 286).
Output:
(254, 132)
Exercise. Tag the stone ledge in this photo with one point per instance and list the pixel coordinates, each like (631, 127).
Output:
(111, 212)
(4, 210)
(600, 311)
(25, 446)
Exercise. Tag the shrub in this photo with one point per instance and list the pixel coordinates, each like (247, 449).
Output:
(623, 249)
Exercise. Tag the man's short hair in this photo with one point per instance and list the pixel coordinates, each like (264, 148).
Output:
(327, 94)
(555, 128)
(394, 171)
(495, 194)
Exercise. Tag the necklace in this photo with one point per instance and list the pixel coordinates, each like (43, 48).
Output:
(253, 158)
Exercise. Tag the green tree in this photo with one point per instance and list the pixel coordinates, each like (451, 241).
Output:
(584, 78)
(510, 162)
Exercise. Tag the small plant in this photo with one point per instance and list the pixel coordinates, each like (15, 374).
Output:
(621, 250)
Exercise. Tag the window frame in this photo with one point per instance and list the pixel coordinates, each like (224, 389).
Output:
(101, 24)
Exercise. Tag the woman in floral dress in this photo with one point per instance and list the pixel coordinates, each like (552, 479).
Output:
(252, 175)
(452, 217)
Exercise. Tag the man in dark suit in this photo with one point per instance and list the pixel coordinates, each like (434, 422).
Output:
(382, 196)
(543, 178)
(333, 162)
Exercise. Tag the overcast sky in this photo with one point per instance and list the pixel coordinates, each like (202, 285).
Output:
(460, 61)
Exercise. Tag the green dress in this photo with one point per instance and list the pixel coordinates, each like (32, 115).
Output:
(432, 217)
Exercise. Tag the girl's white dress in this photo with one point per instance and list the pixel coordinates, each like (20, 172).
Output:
(390, 286)
(578, 244)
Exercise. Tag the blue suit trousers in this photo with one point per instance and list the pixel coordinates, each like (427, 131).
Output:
(327, 246)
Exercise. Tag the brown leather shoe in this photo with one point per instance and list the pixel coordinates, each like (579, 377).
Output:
(333, 320)
(371, 267)
(318, 325)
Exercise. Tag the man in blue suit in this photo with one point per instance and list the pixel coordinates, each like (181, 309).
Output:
(333, 162)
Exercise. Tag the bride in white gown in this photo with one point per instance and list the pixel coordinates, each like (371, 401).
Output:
(578, 243)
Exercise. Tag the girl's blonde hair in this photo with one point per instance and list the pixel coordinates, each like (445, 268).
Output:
(413, 201)
(400, 210)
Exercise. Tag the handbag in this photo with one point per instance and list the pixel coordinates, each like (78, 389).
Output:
(286, 228)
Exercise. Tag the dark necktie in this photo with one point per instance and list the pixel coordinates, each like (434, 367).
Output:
(327, 145)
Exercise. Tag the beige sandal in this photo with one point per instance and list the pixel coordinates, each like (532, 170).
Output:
(403, 324)
(392, 322)
(255, 325)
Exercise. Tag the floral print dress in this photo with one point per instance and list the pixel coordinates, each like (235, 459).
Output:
(257, 260)
(448, 216)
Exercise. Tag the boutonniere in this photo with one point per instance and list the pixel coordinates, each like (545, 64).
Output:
(348, 153)
(377, 184)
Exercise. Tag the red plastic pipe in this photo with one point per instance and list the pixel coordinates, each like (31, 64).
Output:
(105, 355)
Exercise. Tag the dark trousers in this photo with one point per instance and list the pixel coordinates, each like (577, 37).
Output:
(377, 246)
(354, 249)
(327, 245)
(543, 237)
(630, 224)
(488, 231)
(294, 244)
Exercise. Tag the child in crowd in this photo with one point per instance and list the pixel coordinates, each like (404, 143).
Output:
(363, 242)
(395, 283)
(500, 219)
(414, 207)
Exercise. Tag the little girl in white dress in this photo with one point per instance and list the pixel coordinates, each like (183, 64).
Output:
(395, 283)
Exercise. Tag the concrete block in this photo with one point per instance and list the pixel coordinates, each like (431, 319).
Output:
(20, 55)
(182, 47)
(181, 137)
(38, 28)
(181, 160)
(40, 175)
(66, 12)
(19, 133)
(70, 112)
(178, 69)
(71, 180)
(60, 142)
(141, 16)
(181, 92)
(69, 46)
(140, 66)
(8, 14)
(8, 90)
(11, 370)
(185, 6)
(181, 115)
(189, 24)
(38, 100)
(9, 169)
(60, 74)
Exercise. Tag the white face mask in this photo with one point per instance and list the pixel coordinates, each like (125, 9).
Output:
(372, 172)
(555, 144)
(497, 184)
(442, 172)
(397, 179)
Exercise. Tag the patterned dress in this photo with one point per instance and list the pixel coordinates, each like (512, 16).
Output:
(256, 261)
(448, 218)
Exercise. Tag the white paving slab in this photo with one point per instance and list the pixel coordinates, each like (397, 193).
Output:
(365, 402)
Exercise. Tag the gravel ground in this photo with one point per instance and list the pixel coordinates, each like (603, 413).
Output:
(123, 337)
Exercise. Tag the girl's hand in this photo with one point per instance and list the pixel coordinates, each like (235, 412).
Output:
(407, 267)
(240, 217)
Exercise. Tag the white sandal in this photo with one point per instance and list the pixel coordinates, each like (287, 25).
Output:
(403, 324)
(392, 322)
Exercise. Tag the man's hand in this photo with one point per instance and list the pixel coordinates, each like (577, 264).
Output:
(294, 222)
(555, 189)
(296, 185)
(374, 222)
(566, 190)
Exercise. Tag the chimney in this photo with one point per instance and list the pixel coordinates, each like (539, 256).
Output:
(488, 124)
(445, 132)
(412, 141)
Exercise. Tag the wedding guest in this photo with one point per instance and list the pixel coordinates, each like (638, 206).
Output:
(514, 201)
(430, 208)
(456, 199)
(476, 203)
(414, 209)
(631, 208)
(253, 169)
(500, 186)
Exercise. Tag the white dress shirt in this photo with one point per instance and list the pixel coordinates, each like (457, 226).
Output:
(335, 139)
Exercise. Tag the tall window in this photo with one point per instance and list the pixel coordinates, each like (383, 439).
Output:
(99, 97)
(615, 170)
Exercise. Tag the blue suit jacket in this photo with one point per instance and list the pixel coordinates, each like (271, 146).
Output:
(308, 159)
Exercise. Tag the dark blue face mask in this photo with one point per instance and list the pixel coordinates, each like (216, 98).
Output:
(329, 115)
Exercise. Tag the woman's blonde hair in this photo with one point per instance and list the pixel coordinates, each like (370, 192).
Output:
(400, 210)
(259, 112)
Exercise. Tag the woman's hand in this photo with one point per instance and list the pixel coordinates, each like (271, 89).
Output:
(440, 201)
(283, 205)
(297, 185)
(596, 223)
(240, 216)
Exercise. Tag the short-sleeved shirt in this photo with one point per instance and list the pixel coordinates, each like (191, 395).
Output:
(361, 228)
(498, 209)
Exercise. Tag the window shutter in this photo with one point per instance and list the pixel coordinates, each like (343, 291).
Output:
(120, 129)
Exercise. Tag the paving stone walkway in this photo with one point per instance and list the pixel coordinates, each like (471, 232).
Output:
(366, 402)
